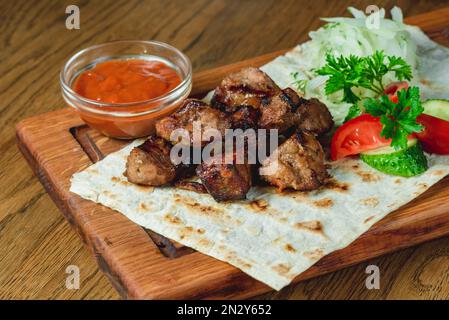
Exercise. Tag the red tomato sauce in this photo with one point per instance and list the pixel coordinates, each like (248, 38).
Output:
(126, 81)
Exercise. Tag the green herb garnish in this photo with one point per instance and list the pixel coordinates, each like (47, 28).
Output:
(299, 83)
(398, 119)
(353, 112)
(331, 25)
(346, 73)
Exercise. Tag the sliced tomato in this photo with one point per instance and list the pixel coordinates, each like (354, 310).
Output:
(392, 89)
(435, 136)
(357, 135)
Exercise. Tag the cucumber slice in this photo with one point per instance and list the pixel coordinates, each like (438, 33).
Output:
(407, 162)
(437, 108)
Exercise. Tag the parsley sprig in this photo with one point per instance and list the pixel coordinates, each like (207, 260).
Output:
(398, 119)
(353, 112)
(346, 73)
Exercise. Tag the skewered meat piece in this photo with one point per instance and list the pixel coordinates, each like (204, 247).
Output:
(298, 163)
(281, 111)
(149, 164)
(248, 87)
(225, 181)
(315, 117)
(193, 111)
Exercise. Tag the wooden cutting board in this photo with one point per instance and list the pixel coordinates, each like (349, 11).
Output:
(142, 264)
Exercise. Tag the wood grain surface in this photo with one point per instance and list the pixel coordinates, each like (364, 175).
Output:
(36, 244)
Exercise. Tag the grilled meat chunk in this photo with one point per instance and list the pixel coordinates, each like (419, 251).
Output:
(298, 163)
(149, 164)
(190, 186)
(248, 87)
(193, 112)
(286, 109)
(244, 118)
(281, 111)
(315, 117)
(225, 181)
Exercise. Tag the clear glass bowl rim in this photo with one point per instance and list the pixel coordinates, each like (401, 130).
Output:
(186, 82)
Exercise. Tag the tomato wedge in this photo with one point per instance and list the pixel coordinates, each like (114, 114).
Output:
(357, 135)
(435, 136)
(392, 89)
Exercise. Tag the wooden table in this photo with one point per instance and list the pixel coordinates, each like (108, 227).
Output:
(37, 244)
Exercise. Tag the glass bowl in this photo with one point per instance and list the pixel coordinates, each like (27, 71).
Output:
(126, 120)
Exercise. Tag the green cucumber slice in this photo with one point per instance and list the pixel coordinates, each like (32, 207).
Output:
(407, 162)
(438, 108)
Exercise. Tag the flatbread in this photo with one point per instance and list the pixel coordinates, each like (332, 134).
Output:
(272, 236)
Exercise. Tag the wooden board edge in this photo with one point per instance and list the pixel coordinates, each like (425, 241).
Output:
(21, 133)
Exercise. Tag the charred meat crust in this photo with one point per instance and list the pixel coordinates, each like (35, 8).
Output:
(278, 109)
(225, 181)
(190, 186)
(149, 163)
(281, 111)
(315, 117)
(298, 163)
(290, 97)
(286, 109)
(193, 111)
(248, 87)
(245, 117)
